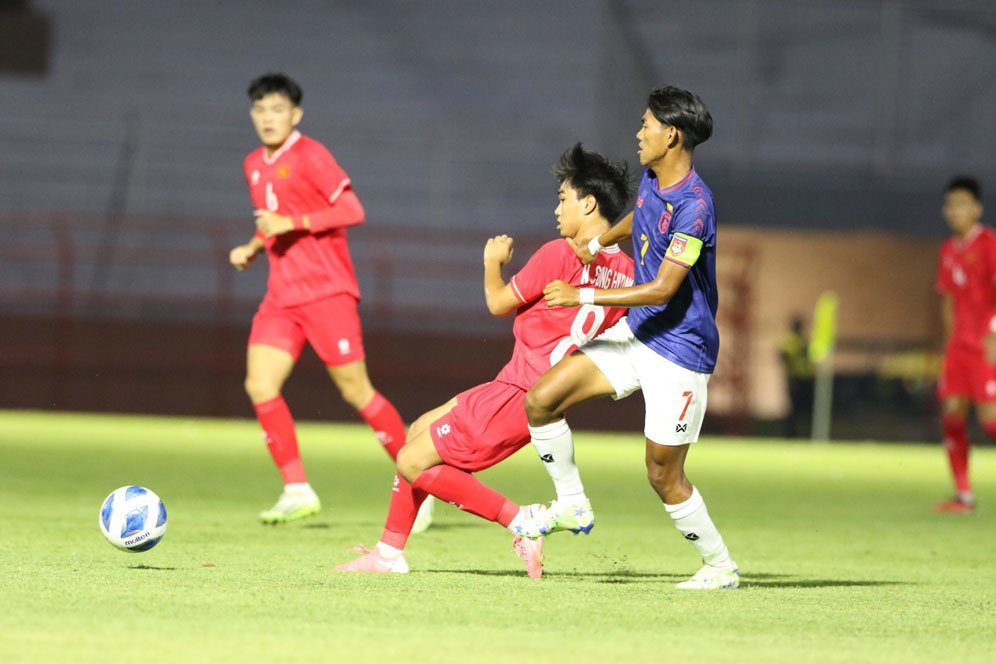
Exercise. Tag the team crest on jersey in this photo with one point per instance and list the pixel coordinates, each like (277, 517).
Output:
(969, 259)
(639, 201)
(283, 172)
(254, 178)
(677, 247)
(665, 220)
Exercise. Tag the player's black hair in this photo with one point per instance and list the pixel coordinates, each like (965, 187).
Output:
(965, 183)
(591, 174)
(275, 83)
(684, 111)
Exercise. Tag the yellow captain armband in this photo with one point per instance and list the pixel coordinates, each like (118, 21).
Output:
(684, 249)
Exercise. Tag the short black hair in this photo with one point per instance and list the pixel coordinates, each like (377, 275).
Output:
(965, 183)
(591, 174)
(683, 110)
(275, 83)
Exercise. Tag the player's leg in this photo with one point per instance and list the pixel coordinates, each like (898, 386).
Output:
(599, 369)
(275, 343)
(957, 384)
(676, 400)
(267, 368)
(332, 327)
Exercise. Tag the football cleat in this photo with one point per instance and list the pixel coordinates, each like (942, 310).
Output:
(530, 551)
(560, 515)
(956, 505)
(713, 578)
(424, 517)
(372, 562)
(292, 505)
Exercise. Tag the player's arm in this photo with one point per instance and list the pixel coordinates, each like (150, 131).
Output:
(498, 295)
(947, 316)
(621, 232)
(672, 272)
(343, 211)
(241, 256)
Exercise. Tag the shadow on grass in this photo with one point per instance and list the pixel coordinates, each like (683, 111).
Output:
(624, 577)
(164, 569)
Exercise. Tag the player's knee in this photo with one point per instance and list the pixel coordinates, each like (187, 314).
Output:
(664, 478)
(540, 408)
(260, 388)
(408, 465)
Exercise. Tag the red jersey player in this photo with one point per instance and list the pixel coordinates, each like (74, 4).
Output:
(484, 425)
(304, 203)
(966, 277)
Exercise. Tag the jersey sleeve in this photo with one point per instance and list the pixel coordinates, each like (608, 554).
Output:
(546, 265)
(324, 173)
(943, 283)
(691, 224)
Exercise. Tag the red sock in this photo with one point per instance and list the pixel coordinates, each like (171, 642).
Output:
(956, 444)
(384, 419)
(405, 502)
(467, 492)
(278, 431)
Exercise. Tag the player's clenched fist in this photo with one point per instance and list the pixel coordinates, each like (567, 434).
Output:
(241, 256)
(498, 248)
(561, 294)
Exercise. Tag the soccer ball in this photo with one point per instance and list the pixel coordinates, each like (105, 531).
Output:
(133, 519)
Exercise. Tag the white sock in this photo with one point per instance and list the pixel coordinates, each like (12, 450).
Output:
(525, 512)
(388, 551)
(555, 446)
(692, 520)
(300, 488)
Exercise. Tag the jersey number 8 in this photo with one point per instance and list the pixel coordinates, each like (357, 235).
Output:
(579, 335)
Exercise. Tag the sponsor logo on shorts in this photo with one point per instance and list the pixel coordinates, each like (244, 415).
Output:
(344, 346)
(681, 428)
(443, 430)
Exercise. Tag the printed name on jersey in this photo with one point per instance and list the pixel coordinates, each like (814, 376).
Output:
(608, 278)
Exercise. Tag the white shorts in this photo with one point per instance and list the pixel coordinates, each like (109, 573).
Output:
(675, 397)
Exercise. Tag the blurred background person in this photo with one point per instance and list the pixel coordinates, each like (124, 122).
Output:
(966, 278)
(794, 351)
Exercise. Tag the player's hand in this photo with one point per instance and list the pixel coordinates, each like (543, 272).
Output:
(580, 248)
(272, 224)
(498, 248)
(561, 294)
(241, 256)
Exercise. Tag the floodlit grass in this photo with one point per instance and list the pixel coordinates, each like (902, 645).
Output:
(842, 559)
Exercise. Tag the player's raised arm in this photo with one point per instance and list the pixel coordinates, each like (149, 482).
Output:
(498, 295)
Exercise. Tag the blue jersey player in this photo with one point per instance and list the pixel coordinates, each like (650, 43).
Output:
(666, 346)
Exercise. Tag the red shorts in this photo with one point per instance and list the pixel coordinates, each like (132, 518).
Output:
(331, 325)
(967, 374)
(487, 425)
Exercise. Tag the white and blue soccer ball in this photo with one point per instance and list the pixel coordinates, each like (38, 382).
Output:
(133, 519)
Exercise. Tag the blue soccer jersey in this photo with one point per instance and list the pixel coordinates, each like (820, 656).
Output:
(678, 224)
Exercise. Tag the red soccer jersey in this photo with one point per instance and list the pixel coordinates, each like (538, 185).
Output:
(543, 334)
(302, 178)
(967, 273)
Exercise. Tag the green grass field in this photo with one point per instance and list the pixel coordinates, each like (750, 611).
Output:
(842, 559)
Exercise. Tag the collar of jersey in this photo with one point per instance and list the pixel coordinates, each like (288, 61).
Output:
(291, 140)
(973, 233)
(674, 187)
